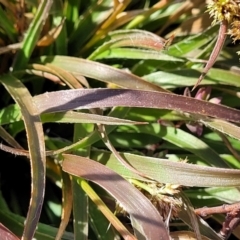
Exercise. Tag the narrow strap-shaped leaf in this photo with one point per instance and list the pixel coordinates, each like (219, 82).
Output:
(205, 229)
(61, 74)
(35, 138)
(135, 203)
(133, 53)
(105, 210)
(107, 142)
(167, 171)
(183, 140)
(188, 207)
(100, 71)
(43, 232)
(100, 98)
(65, 76)
(132, 38)
(187, 77)
(79, 117)
(67, 205)
(81, 216)
(52, 35)
(216, 51)
(9, 138)
(85, 142)
(193, 42)
(223, 127)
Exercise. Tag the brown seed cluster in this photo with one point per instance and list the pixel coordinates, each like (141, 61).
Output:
(163, 196)
(166, 200)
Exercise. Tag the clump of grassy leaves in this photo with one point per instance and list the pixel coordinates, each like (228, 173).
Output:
(140, 151)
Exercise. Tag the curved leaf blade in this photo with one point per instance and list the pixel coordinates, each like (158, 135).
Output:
(78, 117)
(187, 77)
(100, 71)
(134, 202)
(131, 38)
(35, 138)
(105, 210)
(99, 98)
(166, 171)
(183, 140)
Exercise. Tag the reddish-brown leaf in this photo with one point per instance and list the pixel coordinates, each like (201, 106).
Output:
(142, 212)
(100, 98)
(6, 234)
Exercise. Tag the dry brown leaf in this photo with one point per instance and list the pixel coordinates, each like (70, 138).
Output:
(51, 36)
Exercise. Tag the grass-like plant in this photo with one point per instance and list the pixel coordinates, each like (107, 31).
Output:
(151, 148)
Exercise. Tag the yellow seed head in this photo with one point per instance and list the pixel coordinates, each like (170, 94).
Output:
(224, 9)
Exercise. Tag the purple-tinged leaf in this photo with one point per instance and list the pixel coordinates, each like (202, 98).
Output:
(36, 147)
(134, 202)
(100, 98)
(139, 38)
(216, 51)
(101, 72)
(132, 38)
(6, 234)
(110, 216)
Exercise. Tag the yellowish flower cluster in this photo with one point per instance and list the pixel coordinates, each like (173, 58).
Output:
(163, 196)
(227, 10)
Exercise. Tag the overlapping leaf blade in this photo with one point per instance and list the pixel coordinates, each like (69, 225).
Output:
(166, 171)
(152, 226)
(99, 98)
(36, 146)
